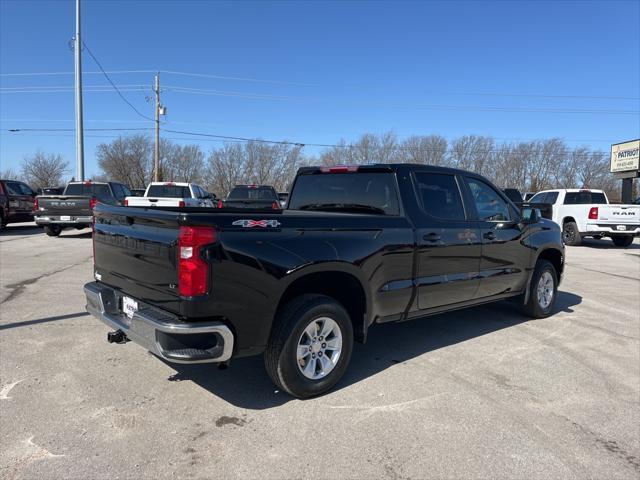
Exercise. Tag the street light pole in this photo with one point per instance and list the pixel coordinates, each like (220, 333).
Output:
(79, 122)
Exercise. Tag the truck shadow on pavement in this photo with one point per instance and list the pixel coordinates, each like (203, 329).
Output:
(246, 384)
(22, 230)
(606, 243)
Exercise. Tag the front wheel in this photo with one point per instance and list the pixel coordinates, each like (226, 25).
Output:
(571, 234)
(52, 230)
(310, 345)
(622, 240)
(542, 290)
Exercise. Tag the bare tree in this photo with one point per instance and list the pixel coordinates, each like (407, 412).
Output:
(127, 160)
(428, 150)
(182, 163)
(9, 174)
(44, 169)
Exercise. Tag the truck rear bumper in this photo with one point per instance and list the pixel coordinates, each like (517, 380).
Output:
(161, 332)
(612, 229)
(57, 220)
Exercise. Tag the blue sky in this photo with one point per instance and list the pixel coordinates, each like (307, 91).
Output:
(316, 72)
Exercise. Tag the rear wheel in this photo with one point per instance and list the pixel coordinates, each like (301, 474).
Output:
(310, 346)
(571, 234)
(52, 230)
(622, 240)
(2, 224)
(542, 290)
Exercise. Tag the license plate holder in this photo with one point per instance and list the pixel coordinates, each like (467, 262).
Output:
(129, 306)
(621, 227)
(65, 218)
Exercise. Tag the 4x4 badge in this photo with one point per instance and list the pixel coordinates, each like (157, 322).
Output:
(256, 223)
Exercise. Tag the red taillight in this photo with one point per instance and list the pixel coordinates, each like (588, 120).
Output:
(275, 206)
(92, 203)
(87, 183)
(126, 202)
(339, 169)
(181, 204)
(593, 213)
(220, 205)
(193, 271)
(36, 207)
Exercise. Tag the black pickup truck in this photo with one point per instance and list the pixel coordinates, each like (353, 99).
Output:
(357, 246)
(74, 207)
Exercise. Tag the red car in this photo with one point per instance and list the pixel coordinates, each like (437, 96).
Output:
(16, 202)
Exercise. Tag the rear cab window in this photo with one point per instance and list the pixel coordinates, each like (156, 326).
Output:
(361, 192)
(169, 191)
(585, 198)
(99, 190)
(249, 192)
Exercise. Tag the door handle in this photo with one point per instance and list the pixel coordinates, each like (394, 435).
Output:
(490, 235)
(431, 237)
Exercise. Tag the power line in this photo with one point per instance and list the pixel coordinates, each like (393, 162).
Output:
(42, 74)
(284, 82)
(113, 84)
(16, 130)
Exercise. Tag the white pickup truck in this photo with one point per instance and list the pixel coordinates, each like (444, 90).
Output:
(588, 213)
(172, 194)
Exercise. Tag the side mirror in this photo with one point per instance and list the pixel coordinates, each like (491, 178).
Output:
(529, 215)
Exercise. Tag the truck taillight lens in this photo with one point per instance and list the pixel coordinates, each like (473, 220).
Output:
(126, 202)
(593, 213)
(193, 270)
(220, 204)
(92, 203)
(36, 207)
(275, 206)
(181, 204)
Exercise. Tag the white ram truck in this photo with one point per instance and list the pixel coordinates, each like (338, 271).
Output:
(172, 194)
(588, 213)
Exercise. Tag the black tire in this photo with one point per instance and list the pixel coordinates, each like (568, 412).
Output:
(280, 357)
(535, 307)
(622, 240)
(2, 224)
(52, 230)
(571, 234)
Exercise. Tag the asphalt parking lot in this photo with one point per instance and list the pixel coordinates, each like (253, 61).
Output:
(481, 393)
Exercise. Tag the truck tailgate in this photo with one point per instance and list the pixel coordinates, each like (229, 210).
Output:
(136, 252)
(65, 204)
(619, 214)
(153, 201)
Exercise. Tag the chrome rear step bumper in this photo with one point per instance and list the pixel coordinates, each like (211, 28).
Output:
(161, 332)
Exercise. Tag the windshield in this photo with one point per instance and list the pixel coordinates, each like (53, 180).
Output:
(362, 192)
(252, 193)
(169, 191)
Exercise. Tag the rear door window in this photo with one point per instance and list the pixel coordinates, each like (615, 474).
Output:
(99, 190)
(13, 188)
(440, 196)
(169, 191)
(373, 192)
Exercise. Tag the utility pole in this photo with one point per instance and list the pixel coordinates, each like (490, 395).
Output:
(79, 123)
(156, 153)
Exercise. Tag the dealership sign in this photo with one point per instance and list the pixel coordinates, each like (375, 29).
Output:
(625, 157)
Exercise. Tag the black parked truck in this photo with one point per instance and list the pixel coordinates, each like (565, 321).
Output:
(74, 207)
(357, 246)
